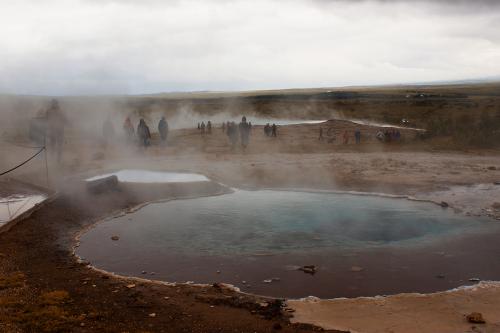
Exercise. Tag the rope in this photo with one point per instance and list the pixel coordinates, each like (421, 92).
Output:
(20, 165)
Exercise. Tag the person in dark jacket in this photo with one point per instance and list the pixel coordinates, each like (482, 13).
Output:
(244, 128)
(163, 129)
(143, 133)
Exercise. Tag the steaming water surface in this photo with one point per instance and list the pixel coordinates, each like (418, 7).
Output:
(362, 245)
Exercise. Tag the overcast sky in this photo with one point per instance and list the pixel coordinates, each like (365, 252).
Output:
(61, 47)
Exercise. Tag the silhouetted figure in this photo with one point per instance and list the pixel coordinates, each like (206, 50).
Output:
(232, 133)
(143, 133)
(209, 127)
(128, 128)
(55, 129)
(387, 136)
(320, 138)
(398, 135)
(244, 132)
(198, 125)
(163, 129)
(267, 130)
(274, 130)
(202, 127)
(108, 131)
(357, 135)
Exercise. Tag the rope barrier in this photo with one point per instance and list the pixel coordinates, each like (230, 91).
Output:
(20, 165)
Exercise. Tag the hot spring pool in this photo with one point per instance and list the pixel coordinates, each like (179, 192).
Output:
(256, 240)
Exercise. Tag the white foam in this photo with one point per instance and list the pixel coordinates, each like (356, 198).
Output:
(14, 205)
(146, 176)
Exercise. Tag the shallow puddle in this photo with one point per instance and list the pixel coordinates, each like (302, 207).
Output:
(15, 205)
(257, 240)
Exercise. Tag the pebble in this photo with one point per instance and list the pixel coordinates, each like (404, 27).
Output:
(476, 318)
(152, 315)
(474, 279)
(130, 286)
(115, 238)
(267, 281)
(144, 272)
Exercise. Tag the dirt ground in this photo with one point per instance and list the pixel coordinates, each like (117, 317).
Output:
(44, 288)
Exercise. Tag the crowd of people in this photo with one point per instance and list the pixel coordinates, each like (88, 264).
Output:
(53, 131)
(141, 135)
(270, 130)
(389, 135)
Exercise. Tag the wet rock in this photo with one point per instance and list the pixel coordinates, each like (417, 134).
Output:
(308, 269)
(103, 184)
(115, 238)
(152, 315)
(492, 168)
(440, 276)
(474, 279)
(476, 318)
(444, 204)
(496, 183)
(144, 272)
(267, 281)
(130, 286)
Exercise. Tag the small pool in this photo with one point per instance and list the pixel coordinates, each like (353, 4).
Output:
(13, 206)
(258, 240)
(146, 176)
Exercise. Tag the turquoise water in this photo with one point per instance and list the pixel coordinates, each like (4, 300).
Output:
(250, 222)
(258, 236)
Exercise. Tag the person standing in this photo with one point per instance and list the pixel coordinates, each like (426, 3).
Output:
(274, 130)
(202, 127)
(128, 128)
(244, 132)
(357, 135)
(163, 129)
(209, 127)
(55, 127)
(346, 137)
(143, 133)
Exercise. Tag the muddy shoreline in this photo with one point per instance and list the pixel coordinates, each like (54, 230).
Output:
(36, 261)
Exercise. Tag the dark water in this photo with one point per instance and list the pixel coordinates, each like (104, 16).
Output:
(252, 236)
